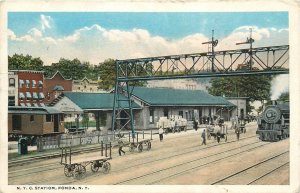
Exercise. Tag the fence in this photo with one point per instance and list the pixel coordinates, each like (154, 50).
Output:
(70, 140)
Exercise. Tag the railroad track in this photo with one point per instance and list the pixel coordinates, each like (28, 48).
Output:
(57, 166)
(24, 161)
(190, 168)
(251, 167)
(268, 173)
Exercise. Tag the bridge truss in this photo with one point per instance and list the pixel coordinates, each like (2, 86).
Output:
(240, 62)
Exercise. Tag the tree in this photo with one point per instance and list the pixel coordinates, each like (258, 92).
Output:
(284, 97)
(107, 74)
(21, 62)
(253, 87)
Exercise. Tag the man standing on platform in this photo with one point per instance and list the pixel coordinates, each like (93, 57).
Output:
(203, 137)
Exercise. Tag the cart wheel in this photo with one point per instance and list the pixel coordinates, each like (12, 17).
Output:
(148, 145)
(106, 167)
(140, 147)
(95, 166)
(79, 171)
(131, 147)
(68, 170)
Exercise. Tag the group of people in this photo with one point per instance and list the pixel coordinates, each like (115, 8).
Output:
(235, 126)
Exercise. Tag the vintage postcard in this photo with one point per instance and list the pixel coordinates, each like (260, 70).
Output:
(173, 96)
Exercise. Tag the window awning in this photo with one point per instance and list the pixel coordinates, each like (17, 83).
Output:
(41, 95)
(27, 81)
(21, 95)
(28, 95)
(22, 104)
(40, 82)
(21, 81)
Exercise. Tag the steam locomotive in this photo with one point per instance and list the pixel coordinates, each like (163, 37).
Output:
(274, 123)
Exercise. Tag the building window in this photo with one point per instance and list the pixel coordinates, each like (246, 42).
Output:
(11, 82)
(41, 96)
(31, 118)
(151, 118)
(21, 96)
(33, 83)
(16, 122)
(21, 83)
(48, 118)
(11, 101)
(79, 88)
(27, 82)
(28, 96)
(40, 84)
(35, 96)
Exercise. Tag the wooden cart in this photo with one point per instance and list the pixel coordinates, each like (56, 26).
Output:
(139, 144)
(76, 166)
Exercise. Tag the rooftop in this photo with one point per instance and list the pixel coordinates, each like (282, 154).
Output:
(96, 101)
(172, 97)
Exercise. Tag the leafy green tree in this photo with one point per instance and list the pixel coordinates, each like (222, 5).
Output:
(21, 62)
(284, 97)
(107, 74)
(253, 87)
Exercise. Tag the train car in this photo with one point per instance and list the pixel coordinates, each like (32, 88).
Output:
(274, 122)
(34, 121)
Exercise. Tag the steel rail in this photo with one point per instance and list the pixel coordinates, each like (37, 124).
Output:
(250, 167)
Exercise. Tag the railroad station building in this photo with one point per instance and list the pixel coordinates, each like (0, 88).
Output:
(190, 104)
(149, 105)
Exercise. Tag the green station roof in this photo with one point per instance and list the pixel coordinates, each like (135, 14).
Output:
(177, 97)
(96, 101)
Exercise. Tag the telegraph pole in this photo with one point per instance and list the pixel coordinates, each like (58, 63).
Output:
(211, 44)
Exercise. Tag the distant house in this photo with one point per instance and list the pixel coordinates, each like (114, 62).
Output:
(85, 85)
(55, 85)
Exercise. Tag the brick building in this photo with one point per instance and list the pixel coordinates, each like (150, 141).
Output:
(29, 87)
(55, 85)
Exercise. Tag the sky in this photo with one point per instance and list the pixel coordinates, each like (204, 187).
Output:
(96, 36)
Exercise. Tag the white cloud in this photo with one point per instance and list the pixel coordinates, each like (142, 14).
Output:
(35, 33)
(95, 43)
(46, 22)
